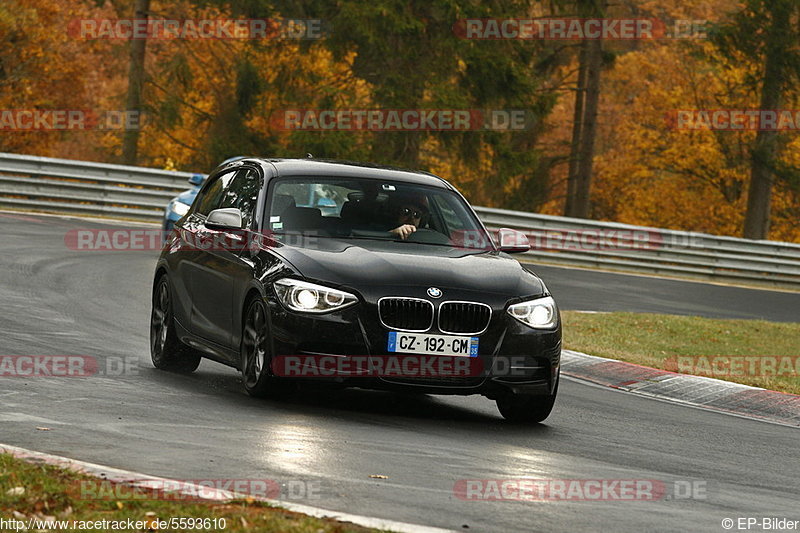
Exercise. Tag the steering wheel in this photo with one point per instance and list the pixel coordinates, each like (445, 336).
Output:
(428, 236)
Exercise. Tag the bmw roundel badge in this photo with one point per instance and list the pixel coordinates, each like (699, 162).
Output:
(433, 292)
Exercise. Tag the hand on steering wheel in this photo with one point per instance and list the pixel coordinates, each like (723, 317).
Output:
(404, 231)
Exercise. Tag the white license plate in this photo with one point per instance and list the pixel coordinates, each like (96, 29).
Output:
(432, 344)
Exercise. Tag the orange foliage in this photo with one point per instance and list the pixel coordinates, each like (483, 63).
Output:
(648, 172)
(45, 68)
(645, 171)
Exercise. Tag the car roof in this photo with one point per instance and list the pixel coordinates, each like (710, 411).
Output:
(351, 169)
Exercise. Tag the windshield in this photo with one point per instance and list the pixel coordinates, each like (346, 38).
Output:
(369, 209)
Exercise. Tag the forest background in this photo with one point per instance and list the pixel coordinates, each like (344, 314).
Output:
(603, 141)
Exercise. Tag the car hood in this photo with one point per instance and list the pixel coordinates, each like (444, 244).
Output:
(409, 268)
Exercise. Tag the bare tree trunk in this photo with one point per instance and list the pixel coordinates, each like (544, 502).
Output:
(398, 147)
(759, 197)
(584, 126)
(577, 124)
(130, 140)
(588, 130)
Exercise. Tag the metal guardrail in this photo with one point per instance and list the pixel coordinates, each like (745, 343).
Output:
(117, 191)
(85, 188)
(625, 247)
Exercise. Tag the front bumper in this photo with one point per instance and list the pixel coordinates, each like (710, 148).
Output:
(512, 357)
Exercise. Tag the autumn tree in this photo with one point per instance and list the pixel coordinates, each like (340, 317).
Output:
(45, 67)
(411, 58)
(766, 33)
(208, 99)
(584, 128)
(136, 75)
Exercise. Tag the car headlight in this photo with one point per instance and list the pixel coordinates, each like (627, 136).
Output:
(541, 313)
(311, 298)
(179, 208)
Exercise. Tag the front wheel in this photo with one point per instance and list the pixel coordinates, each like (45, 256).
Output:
(166, 350)
(255, 353)
(526, 408)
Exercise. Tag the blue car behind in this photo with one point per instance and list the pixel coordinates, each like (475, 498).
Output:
(179, 206)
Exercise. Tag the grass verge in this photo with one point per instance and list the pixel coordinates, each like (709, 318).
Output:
(752, 352)
(36, 491)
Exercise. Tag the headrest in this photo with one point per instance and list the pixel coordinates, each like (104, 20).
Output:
(282, 202)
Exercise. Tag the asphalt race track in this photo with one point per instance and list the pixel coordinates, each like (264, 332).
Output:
(603, 291)
(56, 301)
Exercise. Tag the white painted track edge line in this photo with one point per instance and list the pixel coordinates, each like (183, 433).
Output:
(95, 470)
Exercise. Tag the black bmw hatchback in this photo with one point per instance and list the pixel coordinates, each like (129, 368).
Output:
(360, 275)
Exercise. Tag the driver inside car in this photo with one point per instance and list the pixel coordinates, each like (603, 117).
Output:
(408, 212)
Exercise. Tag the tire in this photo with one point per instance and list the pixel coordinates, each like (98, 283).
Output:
(525, 408)
(166, 350)
(256, 357)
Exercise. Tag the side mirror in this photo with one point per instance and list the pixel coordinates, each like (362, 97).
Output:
(513, 241)
(197, 179)
(228, 219)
